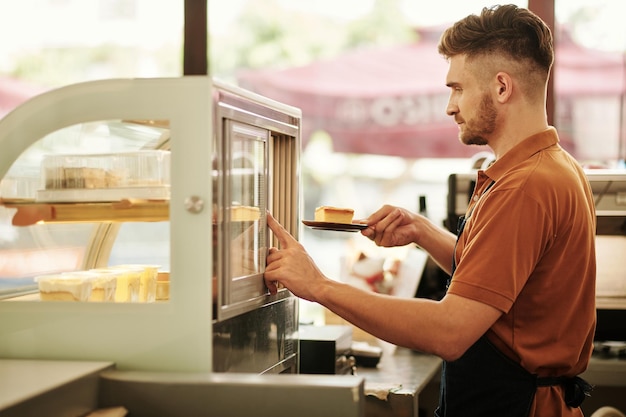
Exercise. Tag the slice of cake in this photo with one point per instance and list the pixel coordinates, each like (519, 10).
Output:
(102, 284)
(244, 213)
(64, 287)
(329, 214)
(128, 283)
(147, 280)
(128, 280)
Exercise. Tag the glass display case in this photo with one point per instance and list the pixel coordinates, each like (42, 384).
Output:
(134, 213)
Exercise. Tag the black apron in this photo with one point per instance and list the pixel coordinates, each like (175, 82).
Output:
(486, 383)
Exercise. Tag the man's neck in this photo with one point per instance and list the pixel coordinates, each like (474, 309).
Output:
(515, 129)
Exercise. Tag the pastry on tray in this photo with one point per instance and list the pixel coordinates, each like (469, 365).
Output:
(331, 214)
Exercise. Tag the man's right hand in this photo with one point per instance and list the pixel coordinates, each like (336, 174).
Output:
(392, 226)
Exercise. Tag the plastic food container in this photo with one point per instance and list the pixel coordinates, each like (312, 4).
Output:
(105, 177)
(147, 280)
(163, 286)
(20, 182)
(127, 283)
(64, 287)
(103, 284)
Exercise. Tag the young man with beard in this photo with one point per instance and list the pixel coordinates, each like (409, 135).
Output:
(516, 326)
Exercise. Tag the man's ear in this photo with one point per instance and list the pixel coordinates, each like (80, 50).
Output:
(503, 87)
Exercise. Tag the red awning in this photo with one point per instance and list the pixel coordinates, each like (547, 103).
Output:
(392, 101)
(387, 101)
(580, 71)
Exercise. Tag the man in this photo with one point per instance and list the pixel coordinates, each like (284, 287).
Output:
(516, 325)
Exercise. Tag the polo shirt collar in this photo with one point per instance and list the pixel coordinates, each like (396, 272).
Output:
(522, 151)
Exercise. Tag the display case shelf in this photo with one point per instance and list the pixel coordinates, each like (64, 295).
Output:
(30, 212)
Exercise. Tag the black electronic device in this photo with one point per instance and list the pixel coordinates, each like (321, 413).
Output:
(326, 349)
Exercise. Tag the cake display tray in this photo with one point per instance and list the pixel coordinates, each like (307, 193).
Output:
(95, 195)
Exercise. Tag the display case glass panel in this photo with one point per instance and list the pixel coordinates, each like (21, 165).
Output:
(241, 216)
(84, 164)
(247, 188)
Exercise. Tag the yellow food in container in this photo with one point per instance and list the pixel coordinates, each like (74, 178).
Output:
(128, 279)
(121, 283)
(63, 287)
(163, 286)
(147, 281)
(103, 284)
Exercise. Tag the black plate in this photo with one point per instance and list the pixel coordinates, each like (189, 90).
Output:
(338, 227)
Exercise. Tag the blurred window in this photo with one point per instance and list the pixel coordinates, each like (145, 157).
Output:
(69, 41)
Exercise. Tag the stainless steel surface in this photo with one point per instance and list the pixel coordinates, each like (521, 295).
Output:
(406, 381)
(264, 340)
(404, 368)
(402, 381)
(232, 395)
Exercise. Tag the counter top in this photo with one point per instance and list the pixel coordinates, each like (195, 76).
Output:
(404, 382)
(404, 368)
(607, 372)
(52, 382)
(398, 385)
(393, 388)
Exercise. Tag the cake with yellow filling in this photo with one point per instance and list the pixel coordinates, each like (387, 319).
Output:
(103, 284)
(147, 280)
(64, 287)
(127, 283)
(329, 214)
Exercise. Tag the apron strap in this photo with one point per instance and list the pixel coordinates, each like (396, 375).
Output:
(576, 388)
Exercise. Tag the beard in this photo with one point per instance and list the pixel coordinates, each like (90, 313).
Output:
(478, 129)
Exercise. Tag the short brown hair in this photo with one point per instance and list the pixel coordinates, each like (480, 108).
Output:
(508, 31)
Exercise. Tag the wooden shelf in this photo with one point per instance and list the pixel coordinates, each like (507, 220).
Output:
(30, 212)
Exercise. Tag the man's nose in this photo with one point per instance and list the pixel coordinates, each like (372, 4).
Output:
(451, 108)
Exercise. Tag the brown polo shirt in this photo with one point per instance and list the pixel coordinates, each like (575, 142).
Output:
(528, 249)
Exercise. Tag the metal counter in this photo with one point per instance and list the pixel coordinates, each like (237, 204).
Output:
(608, 376)
(404, 382)
(76, 388)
